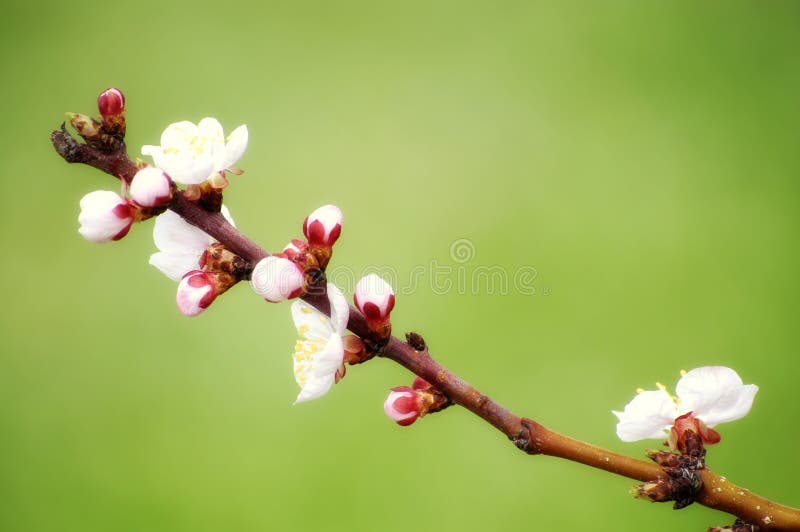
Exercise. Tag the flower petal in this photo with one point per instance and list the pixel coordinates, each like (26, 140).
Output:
(315, 387)
(327, 361)
(340, 309)
(716, 394)
(311, 324)
(173, 234)
(235, 147)
(315, 366)
(647, 416)
(185, 154)
(175, 265)
(214, 138)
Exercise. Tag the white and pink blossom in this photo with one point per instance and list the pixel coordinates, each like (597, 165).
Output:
(403, 406)
(105, 216)
(151, 187)
(196, 291)
(374, 297)
(323, 226)
(190, 153)
(319, 353)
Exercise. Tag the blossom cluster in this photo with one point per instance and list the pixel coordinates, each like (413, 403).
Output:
(193, 160)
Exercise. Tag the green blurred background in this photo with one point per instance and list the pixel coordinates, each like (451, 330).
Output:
(641, 156)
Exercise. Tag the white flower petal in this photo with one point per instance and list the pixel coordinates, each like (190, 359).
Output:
(235, 147)
(175, 265)
(185, 155)
(327, 361)
(185, 168)
(340, 309)
(173, 234)
(212, 133)
(178, 133)
(646, 416)
(716, 394)
(315, 387)
(150, 150)
(311, 324)
(315, 365)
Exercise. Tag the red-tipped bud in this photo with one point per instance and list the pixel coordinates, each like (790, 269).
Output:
(323, 226)
(111, 102)
(196, 291)
(294, 248)
(403, 406)
(151, 187)
(374, 297)
(277, 279)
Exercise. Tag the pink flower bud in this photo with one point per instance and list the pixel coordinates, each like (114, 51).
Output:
(403, 406)
(104, 216)
(111, 102)
(151, 187)
(374, 297)
(323, 226)
(196, 291)
(277, 279)
(294, 248)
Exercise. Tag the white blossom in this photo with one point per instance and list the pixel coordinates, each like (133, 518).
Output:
(180, 244)
(319, 352)
(714, 394)
(191, 153)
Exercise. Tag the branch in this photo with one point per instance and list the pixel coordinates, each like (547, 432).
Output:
(529, 436)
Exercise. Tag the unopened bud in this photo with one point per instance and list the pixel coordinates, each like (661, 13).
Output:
(294, 248)
(104, 216)
(151, 187)
(111, 102)
(403, 406)
(277, 279)
(374, 297)
(196, 291)
(323, 226)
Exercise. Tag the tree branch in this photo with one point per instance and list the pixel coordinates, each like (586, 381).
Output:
(531, 437)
